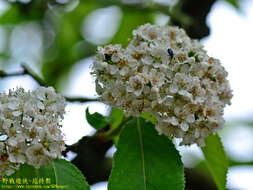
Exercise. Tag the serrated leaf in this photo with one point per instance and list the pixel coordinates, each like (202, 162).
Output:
(145, 160)
(216, 160)
(97, 120)
(60, 174)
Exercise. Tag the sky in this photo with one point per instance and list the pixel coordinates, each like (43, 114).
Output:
(231, 41)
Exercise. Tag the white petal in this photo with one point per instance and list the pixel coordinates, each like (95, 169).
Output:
(190, 118)
(123, 71)
(13, 105)
(184, 126)
(16, 113)
(40, 105)
(113, 69)
(173, 88)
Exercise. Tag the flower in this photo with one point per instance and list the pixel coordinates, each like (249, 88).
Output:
(29, 128)
(135, 85)
(164, 72)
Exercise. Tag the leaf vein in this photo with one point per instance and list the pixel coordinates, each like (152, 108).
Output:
(142, 153)
(55, 173)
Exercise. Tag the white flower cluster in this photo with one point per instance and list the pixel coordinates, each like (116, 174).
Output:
(29, 128)
(164, 72)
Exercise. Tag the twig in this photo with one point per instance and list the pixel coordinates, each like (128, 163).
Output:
(4, 74)
(28, 71)
(80, 99)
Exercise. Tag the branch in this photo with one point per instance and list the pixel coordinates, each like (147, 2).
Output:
(28, 71)
(80, 99)
(4, 74)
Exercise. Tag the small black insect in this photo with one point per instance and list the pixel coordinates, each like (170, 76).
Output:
(170, 53)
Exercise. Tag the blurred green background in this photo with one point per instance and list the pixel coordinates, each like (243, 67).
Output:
(58, 38)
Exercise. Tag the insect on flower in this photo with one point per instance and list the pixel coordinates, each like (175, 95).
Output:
(169, 89)
(170, 53)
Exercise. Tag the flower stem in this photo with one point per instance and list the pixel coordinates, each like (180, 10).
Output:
(113, 132)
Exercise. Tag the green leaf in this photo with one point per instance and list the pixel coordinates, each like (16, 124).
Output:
(216, 160)
(69, 46)
(11, 16)
(60, 174)
(97, 120)
(234, 3)
(117, 116)
(19, 12)
(145, 160)
(149, 117)
(130, 22)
